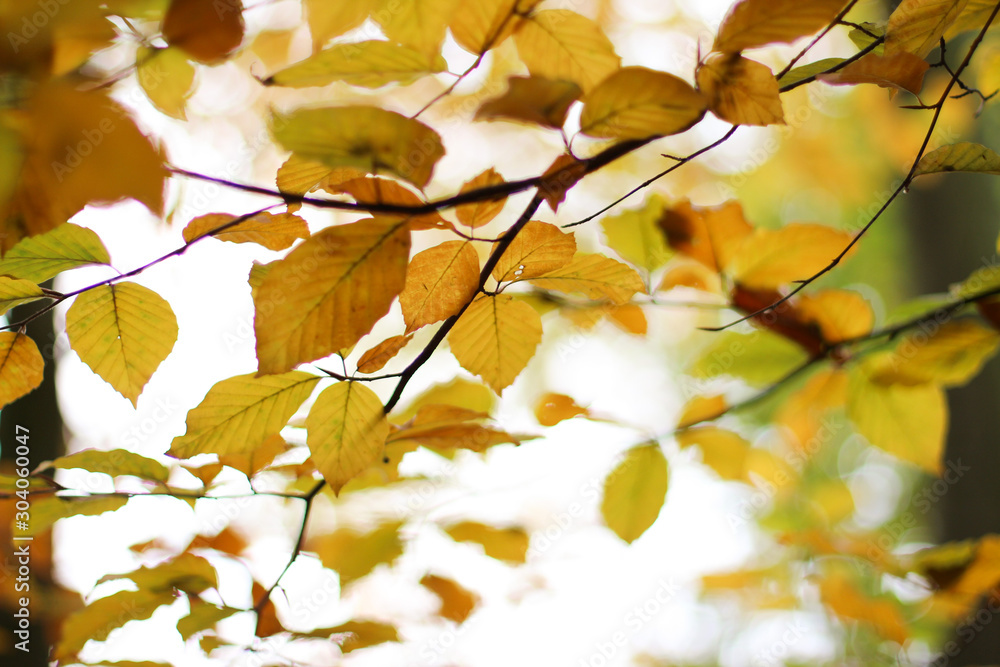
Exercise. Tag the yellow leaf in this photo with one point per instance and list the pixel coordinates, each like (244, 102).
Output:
(271, 46)
(634, 492)
(457, 602)
(554, 408)
(636, 237)
(352, 554)
(840, 314)
(365, 137)
(711, 235)
(846, 601)
(203, 616)
(207, 31)
(916, 26)
(328, 19)
(298, 175)
(358, 634)
(532, 99)
(480, 213)
(328, 292)
(370, 64)
(770, 258)
(596, 276)
(374, 359)
(241, 412)
(260, 457)
(445, 427)
(38, 258)
(186, 572)
(690, 273)
(908, 421)
(419, 24)
(374, 190)
(495, 338)
(972, 17)
(963, 156)
(753, 23)
(701, 409)
(439, 282)
(99, 618)
(45, 512)
(538, 249)
(802, 415)
(950, 355)
(740, 91)
(346, 431)
(638, 103)
(115, 462)
(78, 37)
(457, 392)
(902, 70)
(723, 451)
(480, 26)
(831, 501)
(506, 544)
(14, 292)
(167, 78)
(561, 44)
(629, 318)
(123, 331)
(274, 232)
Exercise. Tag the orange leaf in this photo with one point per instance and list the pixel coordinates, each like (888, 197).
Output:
(561, 175)
(532, 99)
(902, 70)
(374, 359)
(554, 408)
(439, 282)
(274, 232)
(541, 247)
(479, 213)
(457, 602)
(709, 235)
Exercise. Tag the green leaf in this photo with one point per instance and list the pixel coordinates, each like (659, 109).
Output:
(241, 412)
(366, 137)
(759, 358)
(99, 618)
(123, 332)
(202, 617)
(636, 236)
(187, 572)
(802, 72)
(369, 64)
(68, 246)
(634, 492)
(346, 431)
(21, 366)
(963, 156)
(115, 462)
(951, 355)
(45, 512)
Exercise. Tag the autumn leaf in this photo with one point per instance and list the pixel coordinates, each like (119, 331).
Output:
(298, 175)
(376, 190)
(564, 172)
(538, 249)
(457, 602)
(803, 72)
(369, 64)
(260, 457)
(754, 23)
(203, 616)
(14, 292)
(506, 544)
(639, 103)
(99, 618)
(480, 26)
(374, 359)
(274, 232)
(439, 282)
(902, 70)
(840, 314)
(41, 257)
(838, 593)
(636, 237)
(740, 91)
(186, 572)
(365, 137)
(46, 511)
(950, 355)
(167, 78)
(353, 554)
(123, 331)
(327, 19)
(495, 338)
(770, 258)
(722, 450)
(532, 99)
(634, 492)
(241, 412)
(561, 44)
(702, 408)
(419, 24)
(346, 431)
(963, 156)
(595, 275)
(114, 462)
(916, 26)
(478, 214)
(329, 291)
(553, 408)
(710, 235)
(448, 427)
(355, 635)
(207, 31)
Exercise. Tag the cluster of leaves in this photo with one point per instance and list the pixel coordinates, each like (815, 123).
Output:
(489, 298)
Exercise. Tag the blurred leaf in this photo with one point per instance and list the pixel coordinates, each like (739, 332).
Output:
(553, 408)
(770, 258)
(563, 45)
(903, 71)
(636, 236)
(419, 24)
(963, 156)
(950, 355)
(634, 492)
(506, 544)
(186, 572)
(456, 602)
(532, 99)
(711, 235)
(358, 634)
(203, 616)
(99, 618)
(753, 23)
(723, 451)
(370, 64)
(353, 555)
(207, 31)
(46, 511)
(167, 78)
(479, 213)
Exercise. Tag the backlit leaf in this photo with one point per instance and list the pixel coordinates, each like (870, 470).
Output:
(638, 103)
(123, 331)
(803, 72)
(374, 359)
(595, 275)
(299, 175)
(770, 258)
(916, 26)
(723, 451)
(207, 31)
(479, 213)
(260, 457)
(840, 594)
(187, 572)
(553, 408)
(634, 492)
(702, 408)
(480, 26)
(710, 235)
(506, 544)
(561, 44)
(21, 366)
(950, 355)
(114, 462)
(449, 427)
(274, 232)
(439, 282)
(902, 70)
(41, 257)
(532, 99)
(369, 64)
(346, 431)
(354, 635)
(636, 237)
(352, 554)
(495, 338)
(740, 91)
(538, 249)
(419, 24)
(330, 19)
(376, 190)
(329, 291)
(239, 413)
(457, 602)
(840, 314)
(14, 292)
(753, 23)
(167, 78)
(365, 137)
(759, 359)
(99, 618)
(963, 156)
(45, 512)
(203, 616)
(907, 420)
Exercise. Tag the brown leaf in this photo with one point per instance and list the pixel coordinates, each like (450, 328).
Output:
(208, 30)
(902, 70)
